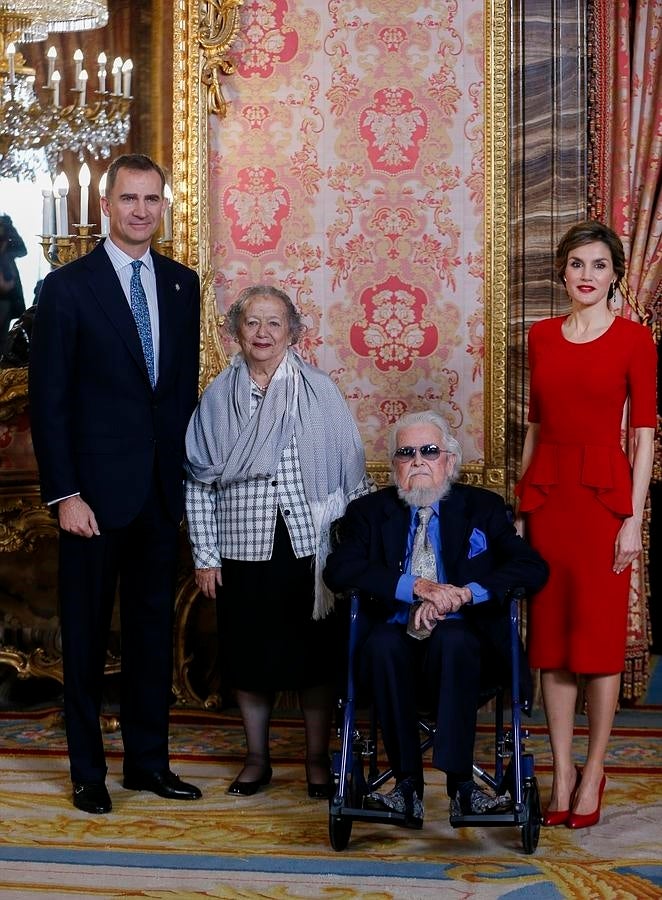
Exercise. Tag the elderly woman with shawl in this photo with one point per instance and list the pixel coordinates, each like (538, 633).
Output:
(274, 457)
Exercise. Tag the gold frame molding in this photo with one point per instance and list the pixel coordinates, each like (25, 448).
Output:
(203, 32)
(497, 54)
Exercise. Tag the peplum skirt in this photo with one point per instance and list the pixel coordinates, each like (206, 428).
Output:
(574, 511)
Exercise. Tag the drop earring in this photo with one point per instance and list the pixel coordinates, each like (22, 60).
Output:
(611, 292)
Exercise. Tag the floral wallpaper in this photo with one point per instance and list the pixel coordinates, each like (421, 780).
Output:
(349, 172)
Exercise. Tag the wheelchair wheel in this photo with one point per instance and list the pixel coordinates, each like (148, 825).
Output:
(531, 829)
(340, 827)
(340, 830)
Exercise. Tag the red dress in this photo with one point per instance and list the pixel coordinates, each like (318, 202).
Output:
(577, 488)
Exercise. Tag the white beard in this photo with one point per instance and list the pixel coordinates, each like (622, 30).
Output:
(423, 496)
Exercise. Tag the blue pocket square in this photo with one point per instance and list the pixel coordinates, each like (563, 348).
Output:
(477, 543)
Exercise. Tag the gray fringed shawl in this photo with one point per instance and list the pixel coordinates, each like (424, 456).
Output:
(224, 444)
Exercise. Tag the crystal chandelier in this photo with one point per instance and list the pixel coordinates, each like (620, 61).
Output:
(96, 120)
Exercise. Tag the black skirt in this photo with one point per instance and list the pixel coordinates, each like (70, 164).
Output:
(268, 640)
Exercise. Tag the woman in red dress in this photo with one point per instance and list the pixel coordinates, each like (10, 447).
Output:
(584, 503)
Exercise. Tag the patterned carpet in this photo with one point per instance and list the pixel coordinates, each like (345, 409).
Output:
(275, 845)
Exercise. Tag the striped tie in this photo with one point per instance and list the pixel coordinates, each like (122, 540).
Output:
(140, 312)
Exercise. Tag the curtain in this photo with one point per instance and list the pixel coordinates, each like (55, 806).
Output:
(625, 190)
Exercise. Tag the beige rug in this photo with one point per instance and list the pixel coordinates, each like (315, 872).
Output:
(275, 844)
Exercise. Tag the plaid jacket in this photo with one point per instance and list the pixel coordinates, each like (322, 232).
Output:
(239, 521)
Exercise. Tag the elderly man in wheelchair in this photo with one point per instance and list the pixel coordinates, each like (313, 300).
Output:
(434, 561)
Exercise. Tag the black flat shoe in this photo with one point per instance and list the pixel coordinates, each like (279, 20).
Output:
(164, 784)
(320, 791)
(92, 798)
(248, 788)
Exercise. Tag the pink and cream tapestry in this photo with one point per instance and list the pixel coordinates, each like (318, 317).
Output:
(349, 171)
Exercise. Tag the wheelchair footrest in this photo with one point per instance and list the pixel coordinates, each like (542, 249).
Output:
(485, 820)
(375, 815)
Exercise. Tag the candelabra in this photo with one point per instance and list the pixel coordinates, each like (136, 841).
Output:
(61, 249)
(91, 123)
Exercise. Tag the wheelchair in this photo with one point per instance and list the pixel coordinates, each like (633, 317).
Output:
(513, 767)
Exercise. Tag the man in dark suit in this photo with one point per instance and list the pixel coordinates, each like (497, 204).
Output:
(434, 560)
(113, 382)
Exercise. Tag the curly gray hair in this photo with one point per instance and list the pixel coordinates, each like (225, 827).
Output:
(295, 324)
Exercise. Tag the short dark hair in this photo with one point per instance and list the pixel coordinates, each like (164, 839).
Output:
(588, 233)
(295, 325)
(136, 161)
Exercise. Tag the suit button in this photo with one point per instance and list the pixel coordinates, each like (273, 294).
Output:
(274, 483)
(286, 512)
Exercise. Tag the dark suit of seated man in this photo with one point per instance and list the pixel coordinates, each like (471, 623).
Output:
(446, 582)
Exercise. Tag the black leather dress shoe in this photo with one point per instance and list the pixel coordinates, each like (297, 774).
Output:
(165, 784)
(92, 798)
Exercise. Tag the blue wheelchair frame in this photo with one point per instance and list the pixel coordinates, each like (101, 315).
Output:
(517, 778)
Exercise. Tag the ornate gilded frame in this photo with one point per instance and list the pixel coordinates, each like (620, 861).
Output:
(497, 158)
(203, 33)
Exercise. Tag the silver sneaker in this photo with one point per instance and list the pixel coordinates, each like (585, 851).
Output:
(475, 801)
(402, 799)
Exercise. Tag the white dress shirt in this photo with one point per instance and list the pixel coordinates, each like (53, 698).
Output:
(122, 264)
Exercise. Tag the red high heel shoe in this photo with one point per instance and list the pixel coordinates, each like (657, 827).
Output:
(554, 817)
(577, 820)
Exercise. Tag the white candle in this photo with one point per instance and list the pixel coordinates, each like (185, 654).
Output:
(167, 214)
(78, 63)
(11, 53)
(127, 68)
(117, 75)
(51, 56)
(84, 179)
(102, 72)
(82, 81)
(60, 191)
(47, 209)
(105, 222)
(55, 81)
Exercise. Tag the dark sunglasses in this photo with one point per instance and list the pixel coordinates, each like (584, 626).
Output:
(427, 451)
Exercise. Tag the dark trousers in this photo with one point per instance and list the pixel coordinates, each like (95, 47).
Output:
(442, 672)
(142, 556)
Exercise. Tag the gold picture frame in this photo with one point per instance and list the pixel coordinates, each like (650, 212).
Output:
(203, 34)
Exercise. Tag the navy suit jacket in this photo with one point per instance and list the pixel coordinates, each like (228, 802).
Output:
(370, 555)
(98, 427)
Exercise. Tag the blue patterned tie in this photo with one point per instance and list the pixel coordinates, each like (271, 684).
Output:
(140, 312)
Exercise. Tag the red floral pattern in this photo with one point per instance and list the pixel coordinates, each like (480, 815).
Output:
(256, 207)
(393, 129)
(350, 172)
(394, 333)
(264, 41)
